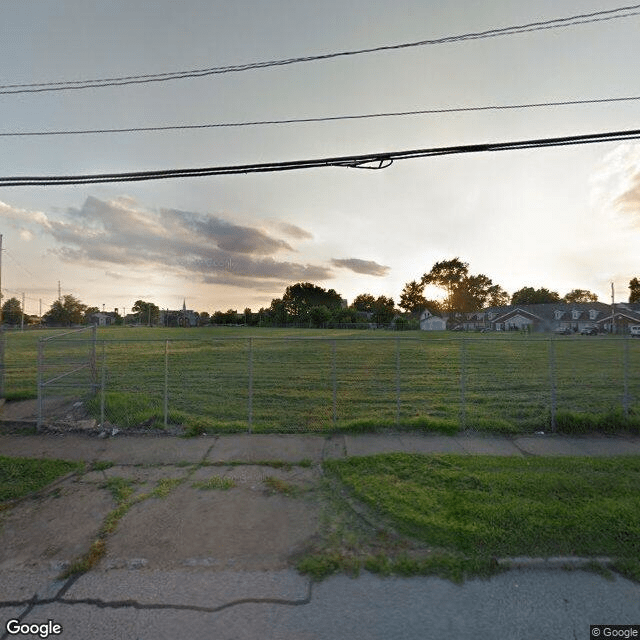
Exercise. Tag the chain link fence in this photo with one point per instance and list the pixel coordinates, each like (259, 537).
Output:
(316, 384)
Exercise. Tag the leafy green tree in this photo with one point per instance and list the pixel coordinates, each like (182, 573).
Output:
(383, 310)
(66, 312)
(146, 312)
(300, 298)
(580, 296)
(447, 275)
(464, 292)
(529, 295)
(634, 290)
(12, 311)
(412, 297)
(319, 315)
(363, 302)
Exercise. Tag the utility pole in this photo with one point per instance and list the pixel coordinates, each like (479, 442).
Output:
(0, 280)
(59, 293)
(22, 320)
(613, 310)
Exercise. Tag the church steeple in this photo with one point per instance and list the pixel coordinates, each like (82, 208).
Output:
(184, 305)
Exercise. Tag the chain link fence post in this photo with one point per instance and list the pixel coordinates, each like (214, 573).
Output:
(553, 385)
(625, 359)
(40, 384)
(250, 408)
(334, 384)
(103, 383)
(463, 375)
(166, 384)
(3, 344)
(397, 382)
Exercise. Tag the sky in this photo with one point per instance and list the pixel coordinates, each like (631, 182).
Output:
(560, 218)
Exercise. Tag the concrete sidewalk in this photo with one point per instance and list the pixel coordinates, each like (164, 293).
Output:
(128, 450)
(184, 562)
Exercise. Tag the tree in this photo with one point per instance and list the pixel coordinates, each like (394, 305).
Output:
(447, 274)
(580, 296)
(66, 312)
(363, 302)
(498, 297)
(319, 315)
(383, 309)
(412, 297)
(529, 295)
(464, 292)
(146, 312)
(301, 297)
(634, 290)
(12, 311)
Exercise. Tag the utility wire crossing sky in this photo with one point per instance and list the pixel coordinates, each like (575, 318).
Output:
(564, 217)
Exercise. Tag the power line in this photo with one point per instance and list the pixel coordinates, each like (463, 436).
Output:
(555, 23)
(369, 161)
(253, 123)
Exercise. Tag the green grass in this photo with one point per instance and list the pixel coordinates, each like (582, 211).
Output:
(463, 512)
(507, 380)
(215, 482)
(22, 476)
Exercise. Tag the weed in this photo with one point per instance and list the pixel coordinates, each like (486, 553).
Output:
(165, 486)
(275, 485)
(101, 465)
(215, 482)
(86, 562)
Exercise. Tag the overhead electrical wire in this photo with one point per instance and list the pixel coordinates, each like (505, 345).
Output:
(555, 23)
(364, 116)
(379, 160)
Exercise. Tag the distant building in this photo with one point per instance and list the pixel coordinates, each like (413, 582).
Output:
(182, 318)
(430, 322)
(561, 317)
(102, 319)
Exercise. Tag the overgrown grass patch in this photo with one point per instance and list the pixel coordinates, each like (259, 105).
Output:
(215, 482)
(21, 476)
(477, 508)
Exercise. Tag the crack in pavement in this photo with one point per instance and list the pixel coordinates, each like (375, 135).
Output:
(133, 604)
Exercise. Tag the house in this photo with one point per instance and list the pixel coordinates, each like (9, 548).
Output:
(557, 316)
(430, 322)
(621, 320)
(102, 319)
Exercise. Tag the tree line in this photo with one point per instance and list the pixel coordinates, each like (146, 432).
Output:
(307, 304)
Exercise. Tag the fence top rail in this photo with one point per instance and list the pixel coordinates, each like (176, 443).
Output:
(57, 336)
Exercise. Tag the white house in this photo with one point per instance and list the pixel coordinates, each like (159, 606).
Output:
(429, 322)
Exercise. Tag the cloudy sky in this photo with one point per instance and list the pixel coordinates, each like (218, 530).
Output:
(561, 218)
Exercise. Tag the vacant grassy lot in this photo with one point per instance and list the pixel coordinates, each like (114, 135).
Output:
(279, 379)
(464, 511)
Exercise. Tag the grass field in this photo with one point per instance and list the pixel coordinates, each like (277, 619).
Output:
(317, 380)
(454, 515)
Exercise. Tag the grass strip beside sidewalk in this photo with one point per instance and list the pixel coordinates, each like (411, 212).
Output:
(475, 509)
(21, 476)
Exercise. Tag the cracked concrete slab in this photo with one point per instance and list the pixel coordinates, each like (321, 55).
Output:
(256, 447)
(240, 528)
(61, 446)
(54, 529)
(127, 450)
(487, 445)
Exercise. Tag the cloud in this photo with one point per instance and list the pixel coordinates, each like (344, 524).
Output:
(293, 231)
(616, 183)
(121, 232)
(367, 267)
